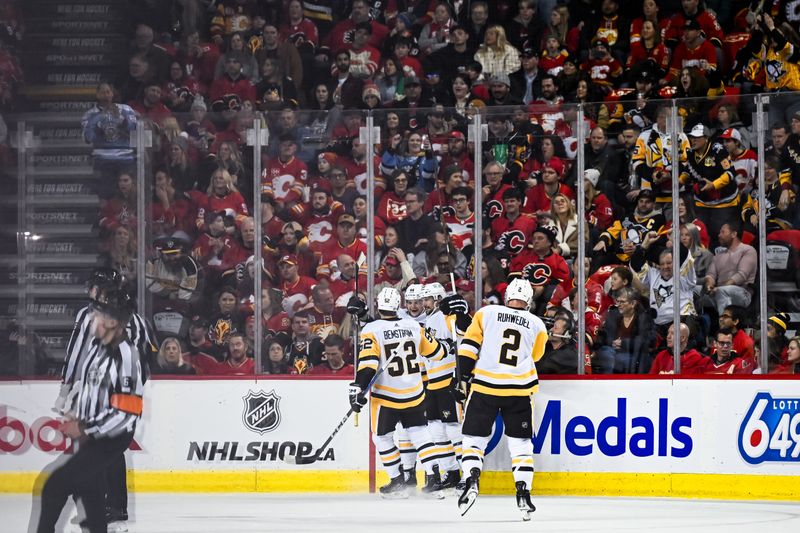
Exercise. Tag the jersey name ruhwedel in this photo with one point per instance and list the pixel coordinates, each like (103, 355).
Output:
(509, 342)
(402, 341)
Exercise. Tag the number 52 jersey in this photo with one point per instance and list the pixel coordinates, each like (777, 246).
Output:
(401, 341)
(505, 344)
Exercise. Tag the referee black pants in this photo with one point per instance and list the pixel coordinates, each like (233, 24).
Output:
(82, 475)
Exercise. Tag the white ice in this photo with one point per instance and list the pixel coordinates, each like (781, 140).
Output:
(199, 513)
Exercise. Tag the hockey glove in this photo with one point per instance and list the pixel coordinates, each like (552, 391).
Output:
(61, 401)
(454, 305)
(357, 397)
(355, 306)
(459, 390)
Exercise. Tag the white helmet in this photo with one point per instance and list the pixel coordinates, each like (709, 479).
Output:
(519, 289)
(414, 292)
(389, 300)
(433, 290)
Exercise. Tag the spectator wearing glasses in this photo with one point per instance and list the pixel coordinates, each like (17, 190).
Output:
(461, 221)
(724, 359)
(414, 229)
(626, 338)
(733, 318)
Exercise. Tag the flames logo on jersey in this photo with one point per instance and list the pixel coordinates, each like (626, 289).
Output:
(514, 241)
(220, 330)
(493, 209)
(537, 273)
(261, 411)
(320, 232)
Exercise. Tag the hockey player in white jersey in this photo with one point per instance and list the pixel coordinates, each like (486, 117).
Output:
(413, 299)
(432, 293)
(398, 394)
(497, 360)
(447, 322)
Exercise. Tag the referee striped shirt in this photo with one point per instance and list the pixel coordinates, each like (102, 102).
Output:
(138, 330)
(111, 388)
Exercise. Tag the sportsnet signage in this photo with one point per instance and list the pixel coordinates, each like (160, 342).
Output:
(770, 431)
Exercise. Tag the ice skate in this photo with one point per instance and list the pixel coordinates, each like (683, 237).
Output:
(395, 490)
(451, 481)
(524, 501)
(410, 478)
(433, 485)
(470, 494)
(117, 520)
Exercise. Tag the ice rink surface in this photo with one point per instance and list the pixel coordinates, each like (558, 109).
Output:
(199, 513)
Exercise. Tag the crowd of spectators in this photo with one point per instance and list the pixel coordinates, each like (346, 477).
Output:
(310, 73)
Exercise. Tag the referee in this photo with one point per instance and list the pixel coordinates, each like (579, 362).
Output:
(107, 387)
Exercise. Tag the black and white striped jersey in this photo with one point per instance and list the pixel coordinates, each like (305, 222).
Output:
(139, 333)
(109, 401)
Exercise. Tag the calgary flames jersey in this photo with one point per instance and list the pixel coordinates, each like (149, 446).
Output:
(401, 342)
(505, 344)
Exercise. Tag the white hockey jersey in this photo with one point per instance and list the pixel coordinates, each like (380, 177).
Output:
(505, 344)
(399, 341)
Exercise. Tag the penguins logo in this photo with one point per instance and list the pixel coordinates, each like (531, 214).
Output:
(661, 294)
(537, 273)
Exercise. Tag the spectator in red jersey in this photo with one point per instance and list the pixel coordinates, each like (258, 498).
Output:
(345, 243)
(319, 221)
(180, 90)
(285, 175)
(344, 287)
(199, 347)
(198, 58)
(513, 229)
(692, 361)
(455, 152)
(275, 361)
(364, 59)
(648, 48)
(296, 288)
(539, 197)
(493, 190)
(222, 195)
(342, 34)
(440, 198)
(275, 319)
(295, 242)
(628, 335)
(461, 222)
(172, 210)
(724, 360)
(121, 208)
(392, 208)
(544, 269)
(299, 30)
(233, 82)
(693, 51)
(604, 70)
(360, 213)
(333, 359)
(734, 318)
(325, 318)
(693, 12)
(237, 362)
(150, 105)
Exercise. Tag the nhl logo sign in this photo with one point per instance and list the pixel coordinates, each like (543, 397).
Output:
(261, 413)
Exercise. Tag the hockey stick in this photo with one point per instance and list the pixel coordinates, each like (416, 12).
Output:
(356, 334)
(298, 460)
(453, 333)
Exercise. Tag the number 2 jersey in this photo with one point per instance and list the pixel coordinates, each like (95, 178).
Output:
(503, 345)
(399, 341)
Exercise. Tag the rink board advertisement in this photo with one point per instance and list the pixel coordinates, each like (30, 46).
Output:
(683, 437)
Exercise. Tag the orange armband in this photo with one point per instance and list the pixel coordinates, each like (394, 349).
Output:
(127, 403)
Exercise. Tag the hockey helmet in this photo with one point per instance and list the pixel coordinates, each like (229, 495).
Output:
(104, 277)
(519, 289)
(414, 292)
(433, 290)
(116, 302)
(389, 300)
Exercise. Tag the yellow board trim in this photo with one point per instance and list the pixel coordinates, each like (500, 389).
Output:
(705, 486)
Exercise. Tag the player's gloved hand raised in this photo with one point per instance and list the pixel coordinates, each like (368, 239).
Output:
(355, 306)
(357, 397)
(459, 390)
(454, 305)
